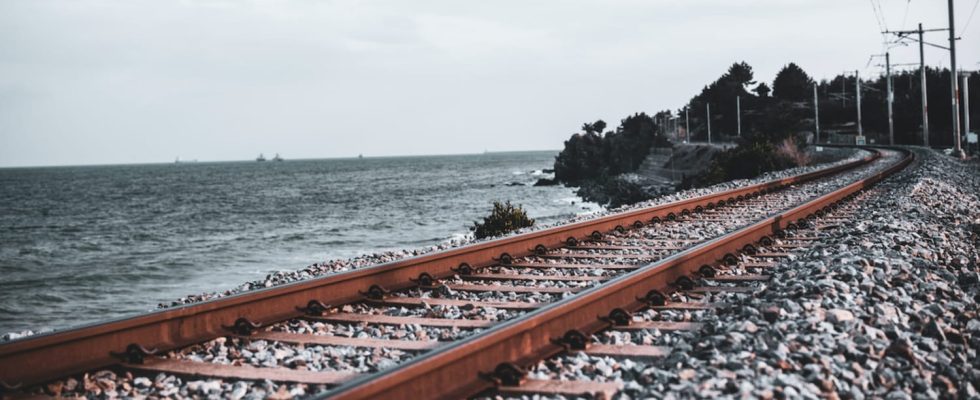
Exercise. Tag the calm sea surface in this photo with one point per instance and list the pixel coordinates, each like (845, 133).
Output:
(85, 244)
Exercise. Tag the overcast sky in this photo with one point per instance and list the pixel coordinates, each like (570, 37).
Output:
(131, 81)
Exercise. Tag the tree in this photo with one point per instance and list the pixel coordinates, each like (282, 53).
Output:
(791, 84)
(762, 90)
(599, 126)
(739, 73)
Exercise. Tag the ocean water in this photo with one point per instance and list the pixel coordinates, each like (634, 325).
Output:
(86, 244)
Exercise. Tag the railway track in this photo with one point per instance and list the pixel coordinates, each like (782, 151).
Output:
(463, 321)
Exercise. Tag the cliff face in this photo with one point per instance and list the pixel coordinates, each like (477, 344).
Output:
(666, 167)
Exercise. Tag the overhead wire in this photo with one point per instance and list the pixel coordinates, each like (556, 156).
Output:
(905, 17)
(874, 9)
(970, 18)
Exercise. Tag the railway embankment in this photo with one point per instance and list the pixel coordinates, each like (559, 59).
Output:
(885, 306)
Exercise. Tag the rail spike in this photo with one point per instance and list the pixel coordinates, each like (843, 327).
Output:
(707, 271)
(506, 259)
(571, 241)
(314, 308)
(134, 353)
(540, 249)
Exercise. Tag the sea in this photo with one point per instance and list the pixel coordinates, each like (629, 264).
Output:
(85, 244)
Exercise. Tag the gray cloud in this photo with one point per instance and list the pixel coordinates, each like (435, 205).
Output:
(85, 82)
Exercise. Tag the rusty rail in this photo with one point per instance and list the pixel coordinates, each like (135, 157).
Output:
(461, 369)
(44, 357)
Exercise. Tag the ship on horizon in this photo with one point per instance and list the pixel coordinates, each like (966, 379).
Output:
(260, 158)
(277, 158)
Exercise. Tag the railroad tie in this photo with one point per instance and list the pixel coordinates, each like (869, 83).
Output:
(399, 320)
(419, 302)
(740, 278)
(601, 256)
(598, 390)
(240, 372)
(770, 255)
(329, 340)
(570, 266)
(721, 289)
(629, 350)
(625, 247)
(660, 325)
(757, 264)
(690, 306)
(511, 288)
(528, 277)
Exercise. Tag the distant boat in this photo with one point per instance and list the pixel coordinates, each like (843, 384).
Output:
(277, 158)
(261, 158)
(360, 156)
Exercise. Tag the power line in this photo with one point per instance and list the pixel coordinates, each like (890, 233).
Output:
(971, 16)
(877, 15)
(906, 16)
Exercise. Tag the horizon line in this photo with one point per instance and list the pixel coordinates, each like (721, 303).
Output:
(193, 161)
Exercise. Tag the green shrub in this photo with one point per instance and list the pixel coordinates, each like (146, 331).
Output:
(504, 218)
(747, 160)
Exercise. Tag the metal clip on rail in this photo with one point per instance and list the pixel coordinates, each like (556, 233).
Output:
(425, 280)
(618, 317)
(684, 283)
(6, 387)
(506, 374)
(654, 298)
(376, 292)
(314, 308)
(574, 339)
(464, 269)
(134, 354)
(243, 326)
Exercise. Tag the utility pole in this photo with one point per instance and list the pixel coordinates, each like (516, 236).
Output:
(925, 99)
(891, 96)
(922, 74)
(738, 114)
(687, 123)
(966, 103)
(708, 105)
(843, 91)
(957, 151)
(857, 89)
(816, 115)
